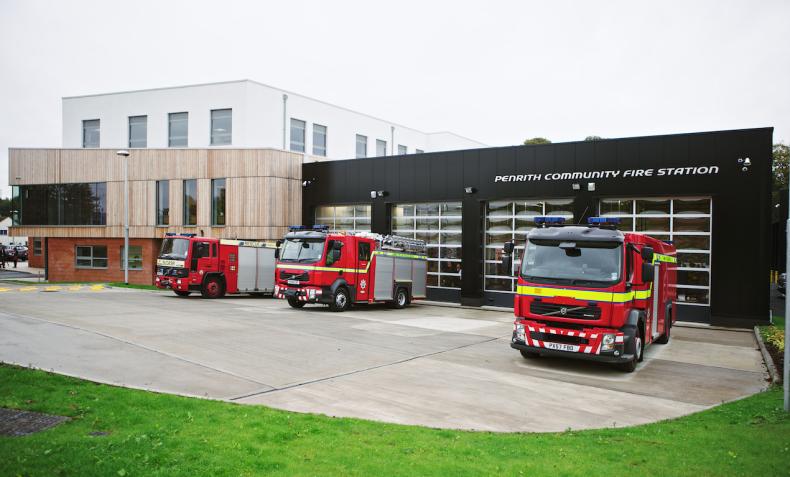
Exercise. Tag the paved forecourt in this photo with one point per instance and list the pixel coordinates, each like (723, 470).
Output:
(427, 365)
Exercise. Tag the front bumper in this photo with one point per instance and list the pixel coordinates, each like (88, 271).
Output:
(572, 343)
(307, 294)
(171, 283)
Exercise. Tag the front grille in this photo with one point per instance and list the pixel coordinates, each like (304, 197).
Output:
(590, 312)
(172, 272)
(301, 276)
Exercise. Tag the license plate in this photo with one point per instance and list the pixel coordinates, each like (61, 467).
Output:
(293, 282)
(561, 347)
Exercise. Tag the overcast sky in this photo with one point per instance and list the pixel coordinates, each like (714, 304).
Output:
(498, 72)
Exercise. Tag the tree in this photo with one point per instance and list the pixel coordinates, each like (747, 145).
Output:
(593, 138)
(780, 168)
(5, 208)
(536, 140)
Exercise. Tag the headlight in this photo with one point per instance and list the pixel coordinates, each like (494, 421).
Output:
(608, 342)
(520, 332)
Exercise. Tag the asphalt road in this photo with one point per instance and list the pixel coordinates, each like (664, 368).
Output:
(436, 366)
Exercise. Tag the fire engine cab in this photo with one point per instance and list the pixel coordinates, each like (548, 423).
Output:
(214, 267)
(592, 292)
(339, 269)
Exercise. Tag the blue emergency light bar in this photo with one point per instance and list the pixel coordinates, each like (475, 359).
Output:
(177, 234)
(603, 220)
(317, 228)
(549, 219)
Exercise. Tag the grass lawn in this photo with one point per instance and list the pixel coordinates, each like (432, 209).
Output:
(156, 434)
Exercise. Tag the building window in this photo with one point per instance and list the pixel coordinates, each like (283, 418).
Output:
(135, 257)
(190, 202)
(138, 131)
(221, 127)
(91, 256)
(418, 151)
(319, 140)
(90, 133)
(37, 245)
(686, 222)
(401, 149)
(362, 146)
(218, 202)
(439, 225)
(177, 129)
(297, 135)
(344, 218)
(62, 204)
(4, 232)
(511, 220)
(381, 148)
(162, 202)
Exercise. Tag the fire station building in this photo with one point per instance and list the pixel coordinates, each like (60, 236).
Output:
(201, 164)
(708, 193)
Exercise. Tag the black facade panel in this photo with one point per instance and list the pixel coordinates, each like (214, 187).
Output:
(741, 220)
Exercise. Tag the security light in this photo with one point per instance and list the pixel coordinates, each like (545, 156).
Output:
(470, 190)
(123, 152)
(576, 186)
(373, 194)
(591, 186)
(747, 162)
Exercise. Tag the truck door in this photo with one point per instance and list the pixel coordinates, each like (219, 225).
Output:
(363, 258)
(201, 257)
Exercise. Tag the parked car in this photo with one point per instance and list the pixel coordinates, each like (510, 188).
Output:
(10, 252)
(21, 252)
(781, 287)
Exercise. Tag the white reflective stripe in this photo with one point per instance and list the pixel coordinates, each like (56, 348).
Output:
(618, 339)
(587, 349)
(582, 335)
(542, 330)
(593, 336)
(531, 328)
(571, 333)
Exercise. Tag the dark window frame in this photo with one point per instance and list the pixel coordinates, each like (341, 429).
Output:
(215, 202)
(185, 209)
(92, 257)
(131, 261)
(144, 124)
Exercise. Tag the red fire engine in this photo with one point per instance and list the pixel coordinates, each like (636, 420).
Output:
(214, 267)
(338, 269)
(592, 292)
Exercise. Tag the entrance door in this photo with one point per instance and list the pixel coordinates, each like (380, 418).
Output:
(363, 260)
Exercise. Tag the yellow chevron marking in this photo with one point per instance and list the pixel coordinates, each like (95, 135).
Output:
(27, 289)
(97, 287)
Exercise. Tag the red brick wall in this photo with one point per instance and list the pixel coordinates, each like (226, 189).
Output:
(62, 261)
(36, 261)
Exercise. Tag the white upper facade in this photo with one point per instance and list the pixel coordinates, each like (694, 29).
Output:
(260, 117)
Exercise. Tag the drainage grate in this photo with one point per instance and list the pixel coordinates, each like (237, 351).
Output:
(22, 423)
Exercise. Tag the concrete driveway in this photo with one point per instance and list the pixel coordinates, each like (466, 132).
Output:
(428, 365)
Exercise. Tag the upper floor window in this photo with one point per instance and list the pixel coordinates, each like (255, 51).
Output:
(162, 202)
(177, 129)
(362, 146)
(61, 204)
(221, 127)
(190, 202)
(297, 135)
(138, 131)
(218, 202)
(401, 149)
(319, 140)
(90, 133)
(381, 147)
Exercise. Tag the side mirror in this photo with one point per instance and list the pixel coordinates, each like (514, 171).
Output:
(507, 257)
(337, 245)
(647, 254)
(648, 272)
(277, 246)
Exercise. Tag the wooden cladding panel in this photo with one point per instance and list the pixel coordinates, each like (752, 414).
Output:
(204, 201)
(176, 202)
(33, 166)
(259, 233)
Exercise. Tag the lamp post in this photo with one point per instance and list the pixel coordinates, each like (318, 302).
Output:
(125, 154)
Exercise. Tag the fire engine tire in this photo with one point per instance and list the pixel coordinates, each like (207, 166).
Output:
(213, 287)
(340, 300)
(638, 346)
(529, 354)
(401, 298)
(295, 303)
(182, 293)
(664, 339)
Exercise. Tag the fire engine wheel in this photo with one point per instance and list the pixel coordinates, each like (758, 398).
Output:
(213, 288)
(294, 302)
(401, 298)
(664, 339)
(340, 301)
(181, 293)
(638, 347)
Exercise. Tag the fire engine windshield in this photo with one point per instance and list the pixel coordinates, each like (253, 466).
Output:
(174, 249)
(302, 250)
(585, 264)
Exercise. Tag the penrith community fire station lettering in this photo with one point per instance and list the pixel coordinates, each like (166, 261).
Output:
(610, 174)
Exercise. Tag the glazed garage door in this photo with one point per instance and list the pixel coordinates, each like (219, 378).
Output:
(686, 222)
(439, 225)
(344, 218)
(508, 220)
